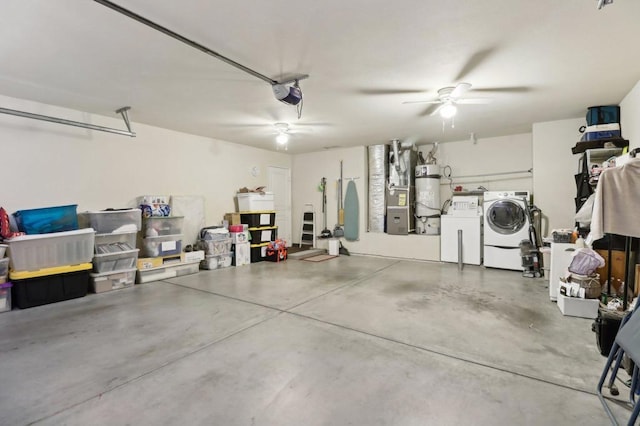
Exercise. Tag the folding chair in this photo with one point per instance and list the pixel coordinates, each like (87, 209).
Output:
(627, 343)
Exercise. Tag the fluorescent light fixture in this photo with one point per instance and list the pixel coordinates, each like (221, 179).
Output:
(282, 138)
(448, 110)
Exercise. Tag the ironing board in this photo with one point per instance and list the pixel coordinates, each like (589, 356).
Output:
(351, 213)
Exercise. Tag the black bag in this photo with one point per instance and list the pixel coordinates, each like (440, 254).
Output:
(606, 327)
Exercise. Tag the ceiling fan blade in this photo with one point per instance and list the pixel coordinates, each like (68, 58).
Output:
(240, 125)
(434, 111)
(314, 124)
(474, 101)
(473, 62)
(512, 89)
(428, 110)
(390, 91)
(460, 89)
(423, 102)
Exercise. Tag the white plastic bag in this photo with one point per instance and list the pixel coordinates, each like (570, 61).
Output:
(583, 217)
(585, 261)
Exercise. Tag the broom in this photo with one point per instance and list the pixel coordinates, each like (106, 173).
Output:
(338, 231)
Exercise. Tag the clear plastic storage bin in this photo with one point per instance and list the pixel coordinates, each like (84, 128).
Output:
(217, 246)
(33, 252)
(216, 262)
(166, 272)
(4, 269)
(114, 242)
(107, 281)
(160, 226)
(115, 261)
(161, 246)
(107, 221)
(5, 297)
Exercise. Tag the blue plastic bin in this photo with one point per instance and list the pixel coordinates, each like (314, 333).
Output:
(605, 134)
(603, 115)
(48, 219)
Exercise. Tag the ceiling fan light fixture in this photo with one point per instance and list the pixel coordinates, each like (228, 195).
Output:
(448, 110)
(282, 138)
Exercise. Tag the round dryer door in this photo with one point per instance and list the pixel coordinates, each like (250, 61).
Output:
(506, 217)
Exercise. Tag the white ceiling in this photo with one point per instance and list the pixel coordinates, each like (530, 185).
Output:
(561, 56)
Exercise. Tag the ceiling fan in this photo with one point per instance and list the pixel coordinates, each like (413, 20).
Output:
(274, 126)
(282, 133)
(448, 99)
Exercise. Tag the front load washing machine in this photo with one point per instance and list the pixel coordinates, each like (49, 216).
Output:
(506, 224)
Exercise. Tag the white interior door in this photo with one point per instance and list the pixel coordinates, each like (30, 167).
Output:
(280, 185)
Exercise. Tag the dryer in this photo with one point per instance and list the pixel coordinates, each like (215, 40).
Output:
(506, 224)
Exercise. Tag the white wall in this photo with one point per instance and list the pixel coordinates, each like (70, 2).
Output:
(630, 117)
(554, 168)
(307, 173)
(555, 165)
(47, 164)
(308, 170)
(494, 158)
(490, 155)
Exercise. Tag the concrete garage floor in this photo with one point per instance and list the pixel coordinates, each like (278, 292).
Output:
(349, 341)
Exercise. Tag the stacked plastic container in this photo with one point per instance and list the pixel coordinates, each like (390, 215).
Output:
(114, 261)
(216, 244)
(262, 231)
(52, 262)
(257, 209)
(162, 236)
(5, 285)
(161, 248)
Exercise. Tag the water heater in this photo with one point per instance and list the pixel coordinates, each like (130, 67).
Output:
(427, 199)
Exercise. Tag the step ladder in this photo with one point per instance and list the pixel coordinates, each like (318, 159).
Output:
(308, 226)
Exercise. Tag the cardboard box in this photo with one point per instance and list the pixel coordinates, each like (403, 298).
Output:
(240, 237)
(232, 218)
(192, 256)
(99, 283)
(576, 307)
(242, 254)
(617, 266)
(148, 262)
(156, 262)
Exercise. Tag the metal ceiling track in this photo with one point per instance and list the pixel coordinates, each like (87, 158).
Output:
(122, 111)
(195, 45)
